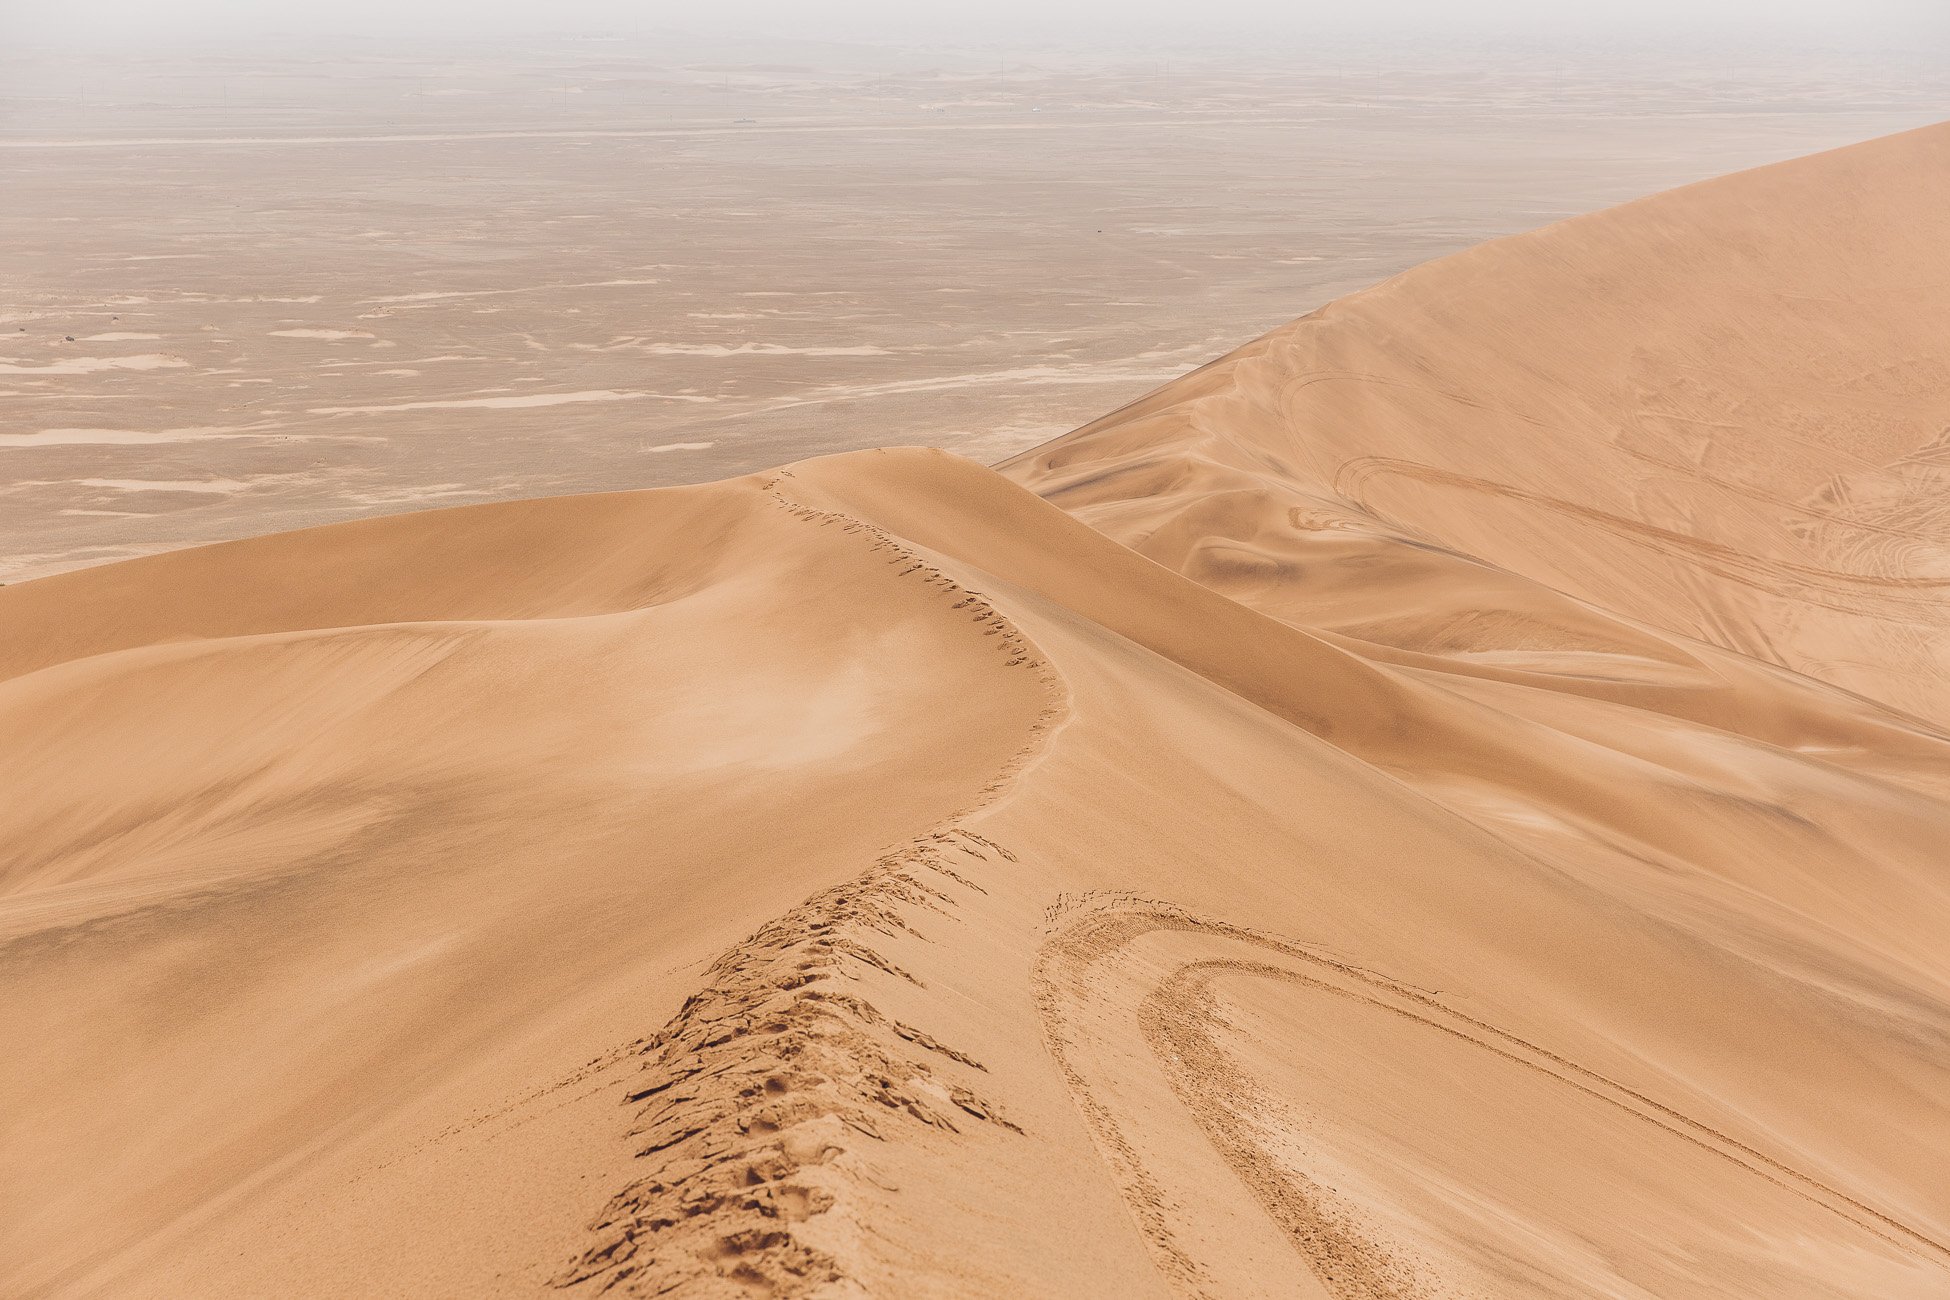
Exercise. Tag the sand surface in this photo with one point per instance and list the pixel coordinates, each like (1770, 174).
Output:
(1448, 800)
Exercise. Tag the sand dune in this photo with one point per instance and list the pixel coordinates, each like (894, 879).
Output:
(1448, 800)
(1718, 410)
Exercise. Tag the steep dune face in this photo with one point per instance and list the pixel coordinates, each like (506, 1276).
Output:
(871, 878)
(1720, 411)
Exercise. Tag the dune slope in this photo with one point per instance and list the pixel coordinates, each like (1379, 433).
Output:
(1193, 861)
(1718, 410)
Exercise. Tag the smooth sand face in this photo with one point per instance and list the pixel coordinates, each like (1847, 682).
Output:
(1725, 422)
(402, 281)
(1184, 863)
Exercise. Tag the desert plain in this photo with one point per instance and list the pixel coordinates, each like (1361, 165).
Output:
(285, 287)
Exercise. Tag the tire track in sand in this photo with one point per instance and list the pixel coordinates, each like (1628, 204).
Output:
(750, 1101)
(1089, 953)
(1867, 594)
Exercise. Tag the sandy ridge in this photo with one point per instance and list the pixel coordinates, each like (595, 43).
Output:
(750, 1099)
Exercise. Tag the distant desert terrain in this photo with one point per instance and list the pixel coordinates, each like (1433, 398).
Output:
(283, 288)
(1449, 799)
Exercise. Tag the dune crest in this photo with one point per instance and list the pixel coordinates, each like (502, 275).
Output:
(1398, 812)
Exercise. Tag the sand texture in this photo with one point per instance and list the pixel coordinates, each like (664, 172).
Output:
(1451, 799)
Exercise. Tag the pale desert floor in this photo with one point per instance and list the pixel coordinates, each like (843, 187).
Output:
(275, 290)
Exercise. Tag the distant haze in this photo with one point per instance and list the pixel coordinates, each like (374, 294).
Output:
(1110, 23)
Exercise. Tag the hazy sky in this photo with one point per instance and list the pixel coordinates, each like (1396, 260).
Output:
(1111, 22)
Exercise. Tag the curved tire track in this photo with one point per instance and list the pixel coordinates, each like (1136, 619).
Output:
(1089, 938)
